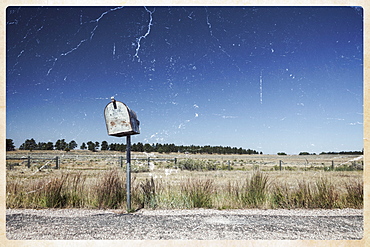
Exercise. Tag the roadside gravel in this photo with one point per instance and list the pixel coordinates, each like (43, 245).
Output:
(199, 224)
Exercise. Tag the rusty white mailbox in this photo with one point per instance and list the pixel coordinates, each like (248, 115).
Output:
(120, 120)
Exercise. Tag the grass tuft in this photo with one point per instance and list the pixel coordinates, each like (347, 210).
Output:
(355, 193)
(110, 190)
(198, 192)
(256, 190)
(52, 195)
(148, 193)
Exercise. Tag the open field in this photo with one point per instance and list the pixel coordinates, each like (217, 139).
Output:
(84, 179)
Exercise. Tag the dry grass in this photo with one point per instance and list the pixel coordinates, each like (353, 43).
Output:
(102, 185)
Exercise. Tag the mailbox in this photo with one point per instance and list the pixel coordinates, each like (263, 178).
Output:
(120, 120)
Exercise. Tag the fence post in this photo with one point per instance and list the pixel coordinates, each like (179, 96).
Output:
(29, 161)
(332, 165)
(280, 165)
(148, 162)
(57, 162)
(121, 161)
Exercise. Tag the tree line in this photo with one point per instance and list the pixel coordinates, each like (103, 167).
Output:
(61, 144)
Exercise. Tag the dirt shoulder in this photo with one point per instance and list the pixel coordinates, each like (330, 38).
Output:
(199, 224)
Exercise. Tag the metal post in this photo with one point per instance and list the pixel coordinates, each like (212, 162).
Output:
(128, 172)
(121, 161)
(280, 164)
(29, 161)
(57, 162)
(332, 165)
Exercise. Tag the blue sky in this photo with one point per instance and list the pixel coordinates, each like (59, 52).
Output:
(272, 79)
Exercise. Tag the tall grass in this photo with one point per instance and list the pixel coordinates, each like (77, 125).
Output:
(258, 190)
(75, 192)
(53, 194)
(198, 192)
(354, 196)
(110, 190)
(326, 196)
(146, 197)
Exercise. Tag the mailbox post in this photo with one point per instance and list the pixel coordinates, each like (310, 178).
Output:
(121, 121)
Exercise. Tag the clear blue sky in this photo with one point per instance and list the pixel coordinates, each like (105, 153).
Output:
(272, 79)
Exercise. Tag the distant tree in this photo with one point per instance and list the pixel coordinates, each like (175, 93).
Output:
(41, 146)
(121, 147)
(281, 153)
(10, 145)
(148, 148)
(117, 147)
(104, 145)
(49, 146)
(61, 144)
(72, 145)
(172, 148)
(29, 145)
(96, 145)
(140, 147)
(112, 147)
(83, 146)
(304, 153)
(91, 146)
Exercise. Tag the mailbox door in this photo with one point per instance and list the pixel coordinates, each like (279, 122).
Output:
(134, 122)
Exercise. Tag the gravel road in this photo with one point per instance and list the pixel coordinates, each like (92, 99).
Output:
(199, 224)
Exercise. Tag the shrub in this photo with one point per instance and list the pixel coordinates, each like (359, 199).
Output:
(197, 165)
(191, 165)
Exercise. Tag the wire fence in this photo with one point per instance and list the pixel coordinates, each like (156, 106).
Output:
(144, 164)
